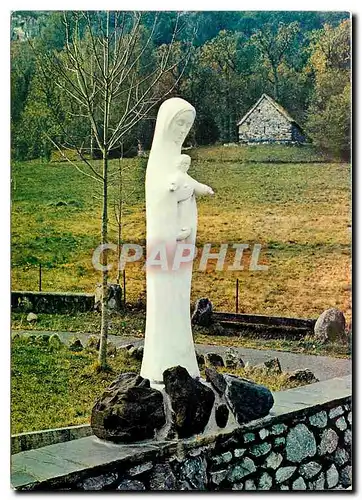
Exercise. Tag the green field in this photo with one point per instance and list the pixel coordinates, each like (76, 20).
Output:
(300, 212)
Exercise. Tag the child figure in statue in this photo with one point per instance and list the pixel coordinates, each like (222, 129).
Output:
(182, 183)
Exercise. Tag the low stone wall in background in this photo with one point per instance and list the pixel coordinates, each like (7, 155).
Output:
(304, 444)
(37, 439)
(51, 302)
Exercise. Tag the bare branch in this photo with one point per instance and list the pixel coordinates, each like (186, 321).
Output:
(69, 160)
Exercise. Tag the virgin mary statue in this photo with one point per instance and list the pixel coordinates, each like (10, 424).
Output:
(168, 336)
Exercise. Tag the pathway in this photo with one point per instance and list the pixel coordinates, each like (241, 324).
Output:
(323, 367)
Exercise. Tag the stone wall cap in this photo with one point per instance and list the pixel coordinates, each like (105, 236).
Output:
(58, 294)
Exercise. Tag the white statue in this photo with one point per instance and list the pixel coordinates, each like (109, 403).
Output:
(171, 215)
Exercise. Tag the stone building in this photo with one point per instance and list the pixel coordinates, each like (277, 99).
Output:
(267, 122)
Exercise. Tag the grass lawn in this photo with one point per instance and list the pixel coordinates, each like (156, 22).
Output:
(55, 387)
(298, 212)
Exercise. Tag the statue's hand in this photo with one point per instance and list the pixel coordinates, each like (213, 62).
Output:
(183, 234)
(209, 190)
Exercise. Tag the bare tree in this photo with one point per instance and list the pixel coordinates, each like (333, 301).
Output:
(111, 76)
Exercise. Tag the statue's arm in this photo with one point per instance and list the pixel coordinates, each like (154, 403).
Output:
(200, 188)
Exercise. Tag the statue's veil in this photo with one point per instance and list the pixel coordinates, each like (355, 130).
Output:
(164, 149)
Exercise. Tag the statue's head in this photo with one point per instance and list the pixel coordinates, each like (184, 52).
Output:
(180, 126)
(174, 120)
(184, 163)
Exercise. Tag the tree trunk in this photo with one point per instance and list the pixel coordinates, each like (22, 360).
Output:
(276, 83)
(105, 152)
(104, 308)
(91, 144)
(119, 219)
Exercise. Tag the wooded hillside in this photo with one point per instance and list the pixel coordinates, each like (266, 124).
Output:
(222, 63)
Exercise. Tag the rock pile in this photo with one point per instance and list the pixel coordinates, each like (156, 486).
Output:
(130, 410)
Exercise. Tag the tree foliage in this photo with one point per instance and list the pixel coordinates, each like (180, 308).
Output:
(299, 58)
(328, 117)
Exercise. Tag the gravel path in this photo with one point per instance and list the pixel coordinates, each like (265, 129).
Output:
(323, 367)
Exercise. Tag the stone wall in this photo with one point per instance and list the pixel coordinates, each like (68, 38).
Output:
(51, 302)
(266, 124)
(38, 439)
(304, 444)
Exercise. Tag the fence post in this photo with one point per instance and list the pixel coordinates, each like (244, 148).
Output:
(39, 277)
(237, 297)
(124, 288)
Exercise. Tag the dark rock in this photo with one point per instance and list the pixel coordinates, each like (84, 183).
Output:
(99, 482)
(136, 352)
(336, 412)
(140, 469)
(202, 314)
(132, 351)
(162, 478)
(241, 469)
(249, 485)
(128, 410)
(213, 359)
(222, 415)
(305, 376)
(139, 354)
(328, 442)
(284, 473)
(341, 456)
(278, 429)
(310, 469)
(114, 298)
(216, 380)
(341, 424)
(300, 444)
(299, 484)
(273, 460)
(25, 304)
(131, 485)
(61, 203)
(76, 345)
(232, 359)
(346, 476)
(273, 365)
(200, 359)
(319, 419)
(193, 471)
(191, 401)
(265, 482)
(258, 450)
(247, 400)
(318, 484)
(218, 476)
(330, 325)
(332, 476)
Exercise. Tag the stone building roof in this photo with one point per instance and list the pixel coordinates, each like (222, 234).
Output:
(276, 105)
